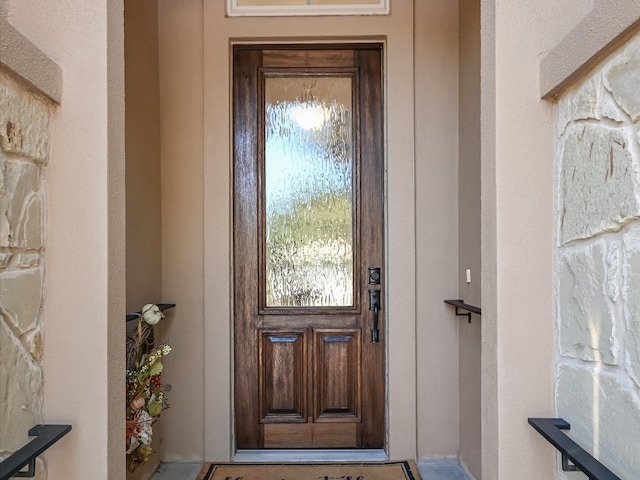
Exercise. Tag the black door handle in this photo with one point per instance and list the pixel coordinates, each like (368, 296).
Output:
(374, 304)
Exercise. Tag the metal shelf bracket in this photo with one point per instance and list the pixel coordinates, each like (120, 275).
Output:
(45, 436)
(574, 457)
(460, 305)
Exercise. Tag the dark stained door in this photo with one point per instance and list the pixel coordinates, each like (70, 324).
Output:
(308, 176)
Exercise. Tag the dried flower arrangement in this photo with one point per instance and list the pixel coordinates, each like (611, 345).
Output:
(145, 392)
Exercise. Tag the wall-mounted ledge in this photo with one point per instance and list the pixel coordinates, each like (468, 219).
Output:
(602, 30)
(460, 305)
(574, 457)
(22, 59)
(45, 436)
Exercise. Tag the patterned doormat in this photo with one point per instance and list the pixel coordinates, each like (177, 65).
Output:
(313, 471)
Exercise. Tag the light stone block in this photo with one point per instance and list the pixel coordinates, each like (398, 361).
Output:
(24, 121)
(5, 258)
(585, 100)
(623, 79)
(599, 182)
(20, 388)
(604, 412)
(608, 108)
(27, 260)
(589, 303)
(579, 104)
(631, 295)
(563, 115)
(33, 341)
(29, 230)
(20, 298)
(20, 184)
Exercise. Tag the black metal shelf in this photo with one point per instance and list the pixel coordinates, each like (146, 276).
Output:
(137, 315)
(581, 460)
(45, 436)
(459, 304)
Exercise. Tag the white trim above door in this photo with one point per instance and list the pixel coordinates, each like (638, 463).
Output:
(281, 9)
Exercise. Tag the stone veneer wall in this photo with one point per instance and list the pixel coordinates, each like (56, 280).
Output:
(598, 261)
(24, 149)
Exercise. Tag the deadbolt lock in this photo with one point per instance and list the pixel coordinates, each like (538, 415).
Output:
(374, 275)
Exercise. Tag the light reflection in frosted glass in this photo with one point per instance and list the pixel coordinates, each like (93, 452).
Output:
(308, 190)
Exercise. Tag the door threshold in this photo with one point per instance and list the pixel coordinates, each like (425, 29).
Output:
(310, 455)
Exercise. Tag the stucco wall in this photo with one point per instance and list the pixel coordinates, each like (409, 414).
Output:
(436, 203)
(469, 232)
(598, 260)
(182, 136)
(517, 145)
(143, 169)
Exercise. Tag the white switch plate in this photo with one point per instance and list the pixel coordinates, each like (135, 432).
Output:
(468, 273)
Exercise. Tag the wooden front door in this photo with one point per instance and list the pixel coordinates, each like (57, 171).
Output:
(309, 324)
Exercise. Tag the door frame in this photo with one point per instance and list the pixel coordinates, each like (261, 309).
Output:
(364, 425)
(401, 423)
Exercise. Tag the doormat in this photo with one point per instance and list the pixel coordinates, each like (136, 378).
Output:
(310, 471)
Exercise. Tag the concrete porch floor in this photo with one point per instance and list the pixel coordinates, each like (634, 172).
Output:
(432, 469)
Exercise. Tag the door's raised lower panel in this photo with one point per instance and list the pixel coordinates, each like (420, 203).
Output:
(310, 435)
(283, 376)
(337, 395)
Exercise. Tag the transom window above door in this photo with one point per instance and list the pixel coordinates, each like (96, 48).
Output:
(306, 7)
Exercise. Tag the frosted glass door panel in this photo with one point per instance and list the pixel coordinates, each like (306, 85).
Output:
(308, 191)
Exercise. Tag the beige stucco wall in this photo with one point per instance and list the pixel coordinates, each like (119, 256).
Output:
(84, 270)
(181, 90)
(143, 170)
(598, 160)
(195, 38)
(518, 331)
(144, 216)
(436, 124)
(469, 232)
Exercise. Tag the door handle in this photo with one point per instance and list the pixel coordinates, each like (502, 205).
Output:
(374, 304)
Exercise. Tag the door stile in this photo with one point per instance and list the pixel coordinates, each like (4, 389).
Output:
(245, 214)
(372, 199)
